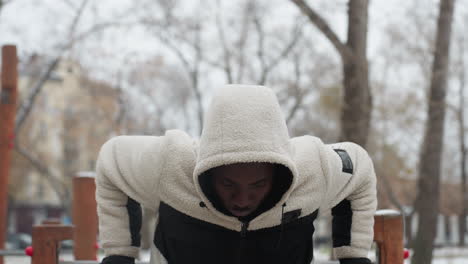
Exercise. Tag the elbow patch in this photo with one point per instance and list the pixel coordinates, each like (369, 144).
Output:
(134, 219)
(346, 160)
(341, 224)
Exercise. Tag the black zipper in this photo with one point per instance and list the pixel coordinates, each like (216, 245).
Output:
(244, 229)
(243, 234)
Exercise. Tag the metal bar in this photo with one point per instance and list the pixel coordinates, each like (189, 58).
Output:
(12, 253)
(142, 262)
(8, 94)
(91, 262)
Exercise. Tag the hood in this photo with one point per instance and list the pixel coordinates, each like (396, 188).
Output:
(244, 123)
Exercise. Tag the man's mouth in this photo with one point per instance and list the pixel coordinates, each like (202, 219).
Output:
(238, 211)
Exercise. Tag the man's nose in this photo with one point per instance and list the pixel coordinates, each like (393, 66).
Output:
(242, 199)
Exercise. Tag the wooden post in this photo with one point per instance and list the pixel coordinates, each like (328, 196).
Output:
(388, 234)
(46, 240)
(84, 217)
(8, 94)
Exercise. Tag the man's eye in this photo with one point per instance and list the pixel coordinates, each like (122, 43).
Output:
(227, 184)
(260, 185)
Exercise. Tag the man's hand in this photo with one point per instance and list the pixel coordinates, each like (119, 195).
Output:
(355, 261)
(118, 260)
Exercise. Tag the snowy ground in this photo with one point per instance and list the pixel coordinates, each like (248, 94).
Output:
(442, 256)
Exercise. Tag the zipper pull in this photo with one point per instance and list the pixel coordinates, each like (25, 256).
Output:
(244, 228)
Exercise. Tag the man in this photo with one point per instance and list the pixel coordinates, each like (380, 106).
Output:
(244, 193)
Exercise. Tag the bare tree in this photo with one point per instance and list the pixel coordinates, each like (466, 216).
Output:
(252, 28)
(460, 112)
(268, 64)
(357, 105)
(427, 201)
(183, 36)
(252, 25)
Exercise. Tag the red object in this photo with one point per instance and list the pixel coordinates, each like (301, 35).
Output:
(405, 253)
(96, 246)
(29, 251)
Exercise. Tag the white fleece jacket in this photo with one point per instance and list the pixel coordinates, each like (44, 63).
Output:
(243, 124)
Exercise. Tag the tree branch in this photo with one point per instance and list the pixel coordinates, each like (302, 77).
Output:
(177, 51)
(322, 25)
(71, 4)
(226, 53)
(243, 36)
(46, 173)
(298, 94)
(28, 103)
(261, 48)
(285, 52)
(195, 75)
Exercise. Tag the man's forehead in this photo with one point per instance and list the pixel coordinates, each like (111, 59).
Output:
(246, 172)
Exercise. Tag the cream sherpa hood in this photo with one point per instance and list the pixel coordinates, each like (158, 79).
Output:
(244, 123)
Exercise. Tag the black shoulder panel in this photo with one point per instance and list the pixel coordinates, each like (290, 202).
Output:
(346, 159)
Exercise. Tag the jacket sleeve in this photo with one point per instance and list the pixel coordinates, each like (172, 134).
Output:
(127, 178)
(352, 198)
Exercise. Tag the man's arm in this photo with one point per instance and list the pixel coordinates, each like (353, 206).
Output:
(352, 197)
(127, 179)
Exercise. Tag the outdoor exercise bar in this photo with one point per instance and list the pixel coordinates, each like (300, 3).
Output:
(8, 94)
(388, 234)
(85, 217)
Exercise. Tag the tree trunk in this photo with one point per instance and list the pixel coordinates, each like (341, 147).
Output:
(461, 120)
(357, 102)
(427, 200)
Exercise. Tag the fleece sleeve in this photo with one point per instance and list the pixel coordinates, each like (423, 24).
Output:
(352, 198)
(128, 173)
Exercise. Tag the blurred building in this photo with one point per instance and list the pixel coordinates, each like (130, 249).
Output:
(71, 118)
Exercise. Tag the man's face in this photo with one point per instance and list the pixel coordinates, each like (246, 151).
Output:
(243, 186)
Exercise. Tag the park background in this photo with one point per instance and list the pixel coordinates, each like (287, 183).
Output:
(368, 72)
